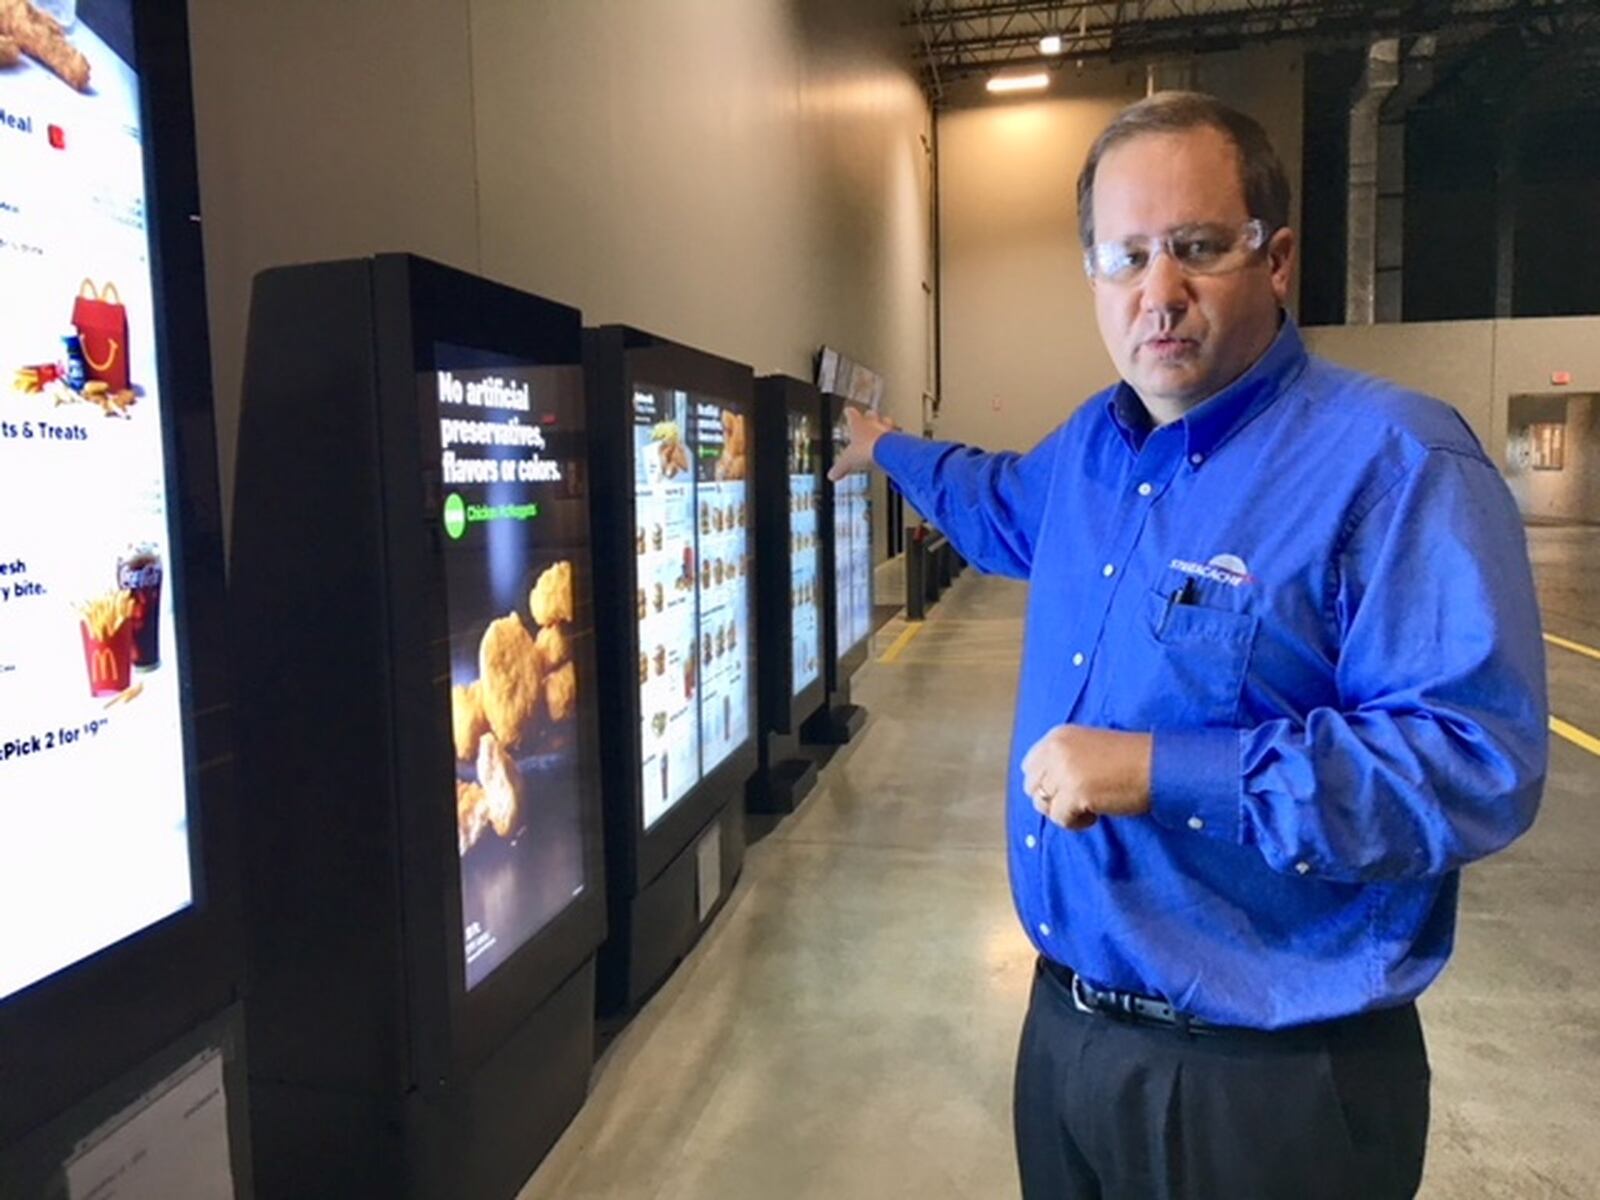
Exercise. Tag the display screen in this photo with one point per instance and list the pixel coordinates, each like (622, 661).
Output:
(693, 586)
(517, 583)
(805, 556)
(94, 785)
(723, 501)
(667, 578)
(852, 540)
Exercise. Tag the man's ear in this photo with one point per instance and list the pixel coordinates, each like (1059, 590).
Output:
(1280, 262)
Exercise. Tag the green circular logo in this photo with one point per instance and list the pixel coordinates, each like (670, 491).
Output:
(455, 516)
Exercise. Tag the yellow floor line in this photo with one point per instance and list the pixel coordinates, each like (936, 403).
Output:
(1575, 647)
(900, 643)
(1575, 735)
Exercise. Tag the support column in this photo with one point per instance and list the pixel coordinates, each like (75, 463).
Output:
(1361, 226)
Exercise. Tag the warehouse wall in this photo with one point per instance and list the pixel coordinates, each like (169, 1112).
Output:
(1475, 365)
(749, 176)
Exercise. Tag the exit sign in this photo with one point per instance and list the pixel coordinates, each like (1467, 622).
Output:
(1560, 378)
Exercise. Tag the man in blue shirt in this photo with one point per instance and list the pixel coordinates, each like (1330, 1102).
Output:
(1282, 678)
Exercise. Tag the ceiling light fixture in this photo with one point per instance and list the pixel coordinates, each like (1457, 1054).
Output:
(1000, 84)
(1050, 44)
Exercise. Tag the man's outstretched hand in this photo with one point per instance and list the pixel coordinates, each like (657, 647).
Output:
(865, 430)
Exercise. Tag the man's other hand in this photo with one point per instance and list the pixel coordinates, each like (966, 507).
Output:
(1075, 775)
(865, 429)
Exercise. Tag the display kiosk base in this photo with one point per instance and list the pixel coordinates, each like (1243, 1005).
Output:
(784, 777)
(782, 786)
(652, 931)
(480, 1141)
(834, 724)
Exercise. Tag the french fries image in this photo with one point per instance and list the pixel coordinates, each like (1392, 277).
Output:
(108, 641)
(106, 616)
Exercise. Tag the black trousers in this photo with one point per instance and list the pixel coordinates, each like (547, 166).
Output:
(1110, 1110)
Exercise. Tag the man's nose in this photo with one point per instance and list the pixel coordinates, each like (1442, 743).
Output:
(1166, 287)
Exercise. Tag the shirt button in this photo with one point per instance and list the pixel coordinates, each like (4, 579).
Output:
(1196, 823)
(1077, 659)
(1145, 489)
(1030, 841)
(1108, 570)
(1197, 459)
(1044, 930)
(1303, 868)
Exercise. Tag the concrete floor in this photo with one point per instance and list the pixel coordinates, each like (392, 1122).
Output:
(847, 1027)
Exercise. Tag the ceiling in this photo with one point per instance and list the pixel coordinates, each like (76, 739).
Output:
(1549, 46)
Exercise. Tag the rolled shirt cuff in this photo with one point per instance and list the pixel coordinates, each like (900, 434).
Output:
(1195, 781)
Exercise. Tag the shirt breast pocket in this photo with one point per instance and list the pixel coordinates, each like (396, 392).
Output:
(1185, 667)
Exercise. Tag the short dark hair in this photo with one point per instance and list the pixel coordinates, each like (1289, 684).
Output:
(1266, 186)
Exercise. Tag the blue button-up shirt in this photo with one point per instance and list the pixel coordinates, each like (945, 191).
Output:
(1314, 591)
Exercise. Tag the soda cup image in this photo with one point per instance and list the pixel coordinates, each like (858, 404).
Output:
(139, 573)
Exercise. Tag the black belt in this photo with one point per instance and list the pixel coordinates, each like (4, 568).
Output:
(1130, 1006)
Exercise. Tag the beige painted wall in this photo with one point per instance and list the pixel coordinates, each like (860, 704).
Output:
(1475, 365)
(325, 131)
(749, 176)
(1018, 321)
(1453, 360)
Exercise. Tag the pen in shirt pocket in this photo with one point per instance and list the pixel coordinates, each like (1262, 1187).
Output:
(1182, 595)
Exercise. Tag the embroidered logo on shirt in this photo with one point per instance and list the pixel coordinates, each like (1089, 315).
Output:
(1227, 569)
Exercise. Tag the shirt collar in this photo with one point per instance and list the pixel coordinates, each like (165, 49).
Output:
(1210, 423)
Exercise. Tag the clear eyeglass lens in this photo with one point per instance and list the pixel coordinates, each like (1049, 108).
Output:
(1205, 251)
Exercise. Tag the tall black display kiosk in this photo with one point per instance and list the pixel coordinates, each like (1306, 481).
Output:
(791, 591)
(847, 568)
(675, 569)
(419, 752)
(120, 1047)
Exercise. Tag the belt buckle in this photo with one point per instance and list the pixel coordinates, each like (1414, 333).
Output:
(1078, 1001)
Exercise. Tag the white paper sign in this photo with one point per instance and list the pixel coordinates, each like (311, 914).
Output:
(708, 864)
(170, 1145)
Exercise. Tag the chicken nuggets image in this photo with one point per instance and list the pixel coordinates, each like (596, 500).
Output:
(502, 785)
(550, 602)
(510, 679)
(25, 29)
(472, 814)
(561, 692)
(555, 647)
(466, 719)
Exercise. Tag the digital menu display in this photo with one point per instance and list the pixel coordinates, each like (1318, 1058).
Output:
(805, 555)
(852, 540)
(667, 579)
(693, 577)
(95, 843)
(517, 579)
(726, 576)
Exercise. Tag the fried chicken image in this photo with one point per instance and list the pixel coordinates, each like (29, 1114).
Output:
(501, 783)
(24, 28)
(467, 721)
(731, 463)
(554, 646)
(550, 602)
(472, 814)
(561, 692)
(511, 679)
